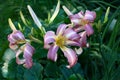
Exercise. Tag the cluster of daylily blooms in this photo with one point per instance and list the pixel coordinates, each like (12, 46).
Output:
(67, 35)
(19, 44)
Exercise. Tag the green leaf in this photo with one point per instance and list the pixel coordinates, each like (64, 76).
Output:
(106, 15)
(40, 53)
(12, 69)
(52, 70)
(34, 73)
(115, 31)
(109, 22)
(8, 55)
(68, 72)
(99, 12)
(73, 77)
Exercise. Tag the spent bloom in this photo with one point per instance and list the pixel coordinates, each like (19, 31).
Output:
(19, 44)
(63, 38)
(82, 21)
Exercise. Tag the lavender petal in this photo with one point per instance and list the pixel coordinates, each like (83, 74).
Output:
(89, 30)
(48, 38)
(70, 55)
(61, 29)
(52, 53)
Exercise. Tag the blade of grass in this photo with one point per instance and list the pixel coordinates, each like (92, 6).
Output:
(114, 33)
(109, 22)
(104, 3)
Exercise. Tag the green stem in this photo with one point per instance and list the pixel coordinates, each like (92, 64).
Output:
(35, 39)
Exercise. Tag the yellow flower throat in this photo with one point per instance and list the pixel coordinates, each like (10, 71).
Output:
(60, 41)
(84, 22)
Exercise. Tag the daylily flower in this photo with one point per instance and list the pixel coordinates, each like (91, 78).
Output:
(16, 37)
(19, 44)
(28, 51)
(82, 21)
(64, 37)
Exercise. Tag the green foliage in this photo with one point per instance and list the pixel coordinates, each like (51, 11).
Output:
(101, 61)
(34, 73)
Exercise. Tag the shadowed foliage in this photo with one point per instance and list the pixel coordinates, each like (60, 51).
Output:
(101, 61)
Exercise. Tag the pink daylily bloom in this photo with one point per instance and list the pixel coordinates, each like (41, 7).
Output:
(84, 20)
(28, 51)
(15, 38)
(64, 37)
